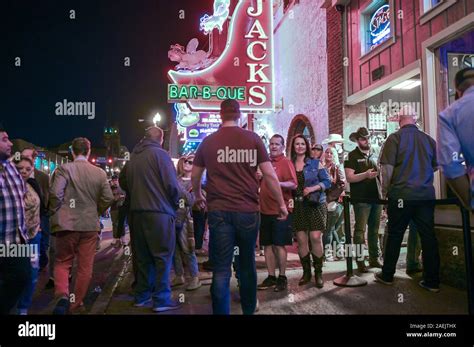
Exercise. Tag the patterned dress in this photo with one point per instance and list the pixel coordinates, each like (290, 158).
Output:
(307, 217)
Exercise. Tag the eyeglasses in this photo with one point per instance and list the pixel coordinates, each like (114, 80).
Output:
(316, 149)
(190, 162)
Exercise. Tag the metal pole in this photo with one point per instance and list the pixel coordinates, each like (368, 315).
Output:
(349, 279)
(466, 226)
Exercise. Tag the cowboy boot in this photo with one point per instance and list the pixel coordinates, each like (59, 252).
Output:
(318, 270)
(361, 267)
(306, 263)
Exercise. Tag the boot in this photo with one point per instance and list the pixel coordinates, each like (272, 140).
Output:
(318, 270)
(306, 263)
(361, 266)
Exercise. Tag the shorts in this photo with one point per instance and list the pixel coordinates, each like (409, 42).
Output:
(275, 232)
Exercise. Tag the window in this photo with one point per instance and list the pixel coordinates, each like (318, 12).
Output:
(432, 8)
(376, 25)
(429, 4)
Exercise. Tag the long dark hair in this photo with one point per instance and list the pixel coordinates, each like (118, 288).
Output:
(307, 154)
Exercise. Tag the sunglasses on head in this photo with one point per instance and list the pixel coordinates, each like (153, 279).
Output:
(316, 149)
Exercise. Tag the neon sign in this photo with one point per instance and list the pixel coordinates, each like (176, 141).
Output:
(217, 20)
(183, 92)
(244, 70)
(379, 26)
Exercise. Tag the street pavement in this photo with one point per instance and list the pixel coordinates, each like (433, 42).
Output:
(109, 292)
(404, 297)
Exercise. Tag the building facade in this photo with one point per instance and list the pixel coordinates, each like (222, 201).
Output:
(402, 52)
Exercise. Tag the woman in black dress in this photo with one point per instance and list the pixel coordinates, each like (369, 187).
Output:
(310, 208)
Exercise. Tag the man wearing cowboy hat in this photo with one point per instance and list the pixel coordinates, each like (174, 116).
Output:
(361, 171)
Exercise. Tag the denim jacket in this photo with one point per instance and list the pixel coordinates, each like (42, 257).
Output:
(316, 174)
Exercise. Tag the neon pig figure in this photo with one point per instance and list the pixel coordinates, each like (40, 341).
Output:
(257, 91)
(217, 20)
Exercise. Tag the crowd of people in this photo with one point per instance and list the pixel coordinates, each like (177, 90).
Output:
(246, 197)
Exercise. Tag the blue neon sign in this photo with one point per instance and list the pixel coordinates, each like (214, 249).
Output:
(379, 26)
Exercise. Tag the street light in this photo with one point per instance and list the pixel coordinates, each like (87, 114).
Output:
(157, 118)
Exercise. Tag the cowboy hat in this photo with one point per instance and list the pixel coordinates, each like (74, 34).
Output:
(361, 132)
(333, 138)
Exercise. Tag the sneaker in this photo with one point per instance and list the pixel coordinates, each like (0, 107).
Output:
(62, 307)
(281, 284)
(177, 281)
(172, 305)
(142, 303)
(81, 309)
(379, 278)
(268, 282)
(194, 284)
(423, 284)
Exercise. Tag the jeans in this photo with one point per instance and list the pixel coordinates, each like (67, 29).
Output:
(334, 227)
(52, 255)
(44, 245)
(154, 242)
(114, 216)
(123, 212)
(368, 215)
(422, 214)
(199, 220)
(15, 274)
(413, 248)
(233, 233)
(26, 297)
(185, 248)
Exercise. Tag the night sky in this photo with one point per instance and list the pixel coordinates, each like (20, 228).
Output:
(82, 59)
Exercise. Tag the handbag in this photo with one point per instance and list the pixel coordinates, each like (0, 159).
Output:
(335, 191)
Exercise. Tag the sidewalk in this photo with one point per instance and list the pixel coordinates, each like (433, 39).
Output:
(404, 297)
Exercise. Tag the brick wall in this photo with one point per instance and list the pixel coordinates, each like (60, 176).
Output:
(335, 70)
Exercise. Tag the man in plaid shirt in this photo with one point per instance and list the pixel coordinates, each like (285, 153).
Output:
(14, 271)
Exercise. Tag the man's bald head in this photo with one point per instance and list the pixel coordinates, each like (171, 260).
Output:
(407, 115)
(154, 133)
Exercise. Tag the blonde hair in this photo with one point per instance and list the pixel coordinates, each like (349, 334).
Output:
(180, 164)
(335, 155)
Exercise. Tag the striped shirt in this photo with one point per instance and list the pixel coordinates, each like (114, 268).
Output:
(12, 207)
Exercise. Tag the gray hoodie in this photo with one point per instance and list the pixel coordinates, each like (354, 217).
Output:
(151, 179)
